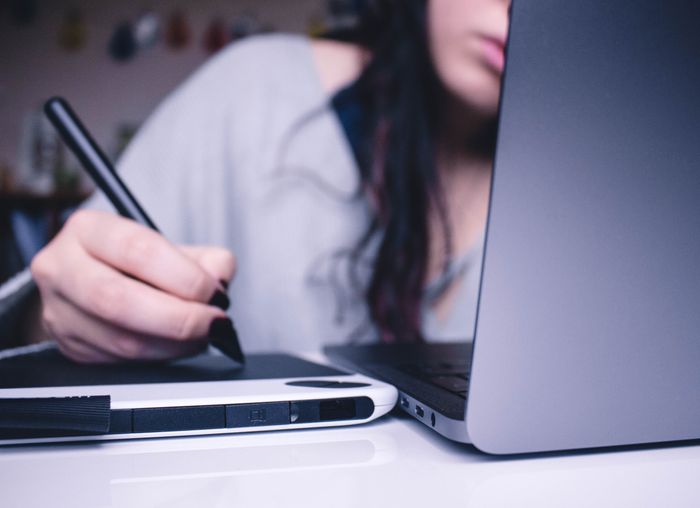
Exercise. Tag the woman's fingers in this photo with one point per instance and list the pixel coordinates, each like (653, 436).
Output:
(113, 290)
(142, 253)
(218, 262)
(109, 343)
(111, 296)
(83, 352)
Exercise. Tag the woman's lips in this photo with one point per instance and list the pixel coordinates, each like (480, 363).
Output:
(493, 52)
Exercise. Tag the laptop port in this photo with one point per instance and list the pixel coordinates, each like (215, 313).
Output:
(432, 419)
(404, 402)
(419, 411)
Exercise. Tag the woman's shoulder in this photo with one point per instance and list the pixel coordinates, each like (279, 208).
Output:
(334, 62)
(260, 77)
(265, 51)
(244, 79)
(261, 61)
(337, 63)
(282, 61)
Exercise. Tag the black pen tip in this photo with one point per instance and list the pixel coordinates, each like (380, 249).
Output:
(223, 336)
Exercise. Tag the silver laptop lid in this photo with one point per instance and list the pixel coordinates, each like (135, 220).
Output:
(588, 330)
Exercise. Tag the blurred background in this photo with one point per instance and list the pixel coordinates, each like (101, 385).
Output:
(114, 60)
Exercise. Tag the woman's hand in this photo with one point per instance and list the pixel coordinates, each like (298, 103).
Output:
(112, 290)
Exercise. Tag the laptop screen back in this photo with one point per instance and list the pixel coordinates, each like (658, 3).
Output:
(588, 329)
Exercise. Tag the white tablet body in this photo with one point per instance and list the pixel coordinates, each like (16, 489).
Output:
(152, 409)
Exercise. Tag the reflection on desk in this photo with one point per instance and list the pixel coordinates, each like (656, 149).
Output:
(387, 463)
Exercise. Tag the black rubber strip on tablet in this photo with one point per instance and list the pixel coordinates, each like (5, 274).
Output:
(88, 414)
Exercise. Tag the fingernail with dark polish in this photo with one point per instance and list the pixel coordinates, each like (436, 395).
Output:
(223, 336)
(220, 300)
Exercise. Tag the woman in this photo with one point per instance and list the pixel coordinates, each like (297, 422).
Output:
(350, 180)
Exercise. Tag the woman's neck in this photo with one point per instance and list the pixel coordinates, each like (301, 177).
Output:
(464, 160)
(464, 134)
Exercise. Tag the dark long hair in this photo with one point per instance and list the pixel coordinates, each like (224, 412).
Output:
(398, 92)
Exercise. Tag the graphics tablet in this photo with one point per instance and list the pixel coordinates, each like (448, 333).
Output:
(45, 397)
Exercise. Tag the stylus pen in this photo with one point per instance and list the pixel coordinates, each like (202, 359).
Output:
(222, 333)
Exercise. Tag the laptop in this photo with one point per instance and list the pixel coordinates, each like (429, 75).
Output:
(588, 324)
(45, 397)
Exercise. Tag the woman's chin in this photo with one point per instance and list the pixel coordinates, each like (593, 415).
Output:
(479, 92)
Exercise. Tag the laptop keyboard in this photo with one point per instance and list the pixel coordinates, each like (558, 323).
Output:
(453, 377)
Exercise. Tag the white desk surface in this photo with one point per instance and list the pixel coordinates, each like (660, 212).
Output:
(390, 462)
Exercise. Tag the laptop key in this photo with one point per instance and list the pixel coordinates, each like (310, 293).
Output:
(436, 369)
(452, 383)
